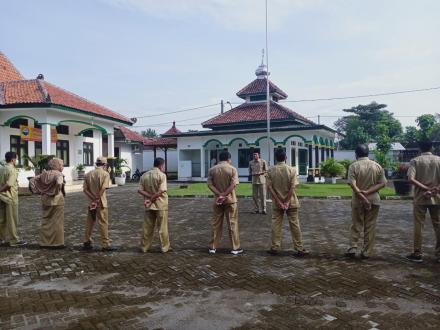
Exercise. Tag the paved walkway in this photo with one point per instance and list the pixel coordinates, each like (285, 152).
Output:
(189, 289)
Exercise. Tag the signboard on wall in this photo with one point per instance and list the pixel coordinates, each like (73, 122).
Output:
(34, 134)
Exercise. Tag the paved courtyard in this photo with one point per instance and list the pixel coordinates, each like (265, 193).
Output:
(189, 289)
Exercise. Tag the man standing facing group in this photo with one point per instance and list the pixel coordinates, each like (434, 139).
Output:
(258, 169)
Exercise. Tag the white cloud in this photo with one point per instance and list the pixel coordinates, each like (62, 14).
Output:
(244, 15)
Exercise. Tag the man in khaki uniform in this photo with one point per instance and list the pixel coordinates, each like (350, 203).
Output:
(9, 202)
(96, 183)
(222, 179)
(366, 178)
(281, 182)
(424, 173)
(153, 186)
(258, 169)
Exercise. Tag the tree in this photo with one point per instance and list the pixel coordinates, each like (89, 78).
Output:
(428, 128)
(151, 133)
(367, 123)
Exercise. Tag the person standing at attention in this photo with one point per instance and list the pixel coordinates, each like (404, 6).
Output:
(424, 173)
(366, 178)
(95, 185)
(50, 184)
(257, 170)
(153, 187)
(281, 182)
(222, 180)
(9, 202)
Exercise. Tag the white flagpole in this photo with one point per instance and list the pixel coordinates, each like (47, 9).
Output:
(268, 99)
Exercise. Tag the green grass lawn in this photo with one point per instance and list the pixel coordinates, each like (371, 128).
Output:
(303, 190)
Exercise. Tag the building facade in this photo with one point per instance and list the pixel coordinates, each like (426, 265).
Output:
(39, 118)
(243, 130)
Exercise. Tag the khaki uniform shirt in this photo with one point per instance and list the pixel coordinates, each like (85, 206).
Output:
(281, 178)
(426, 170)
(56, 200)
(258, 166)
(152, 182)
(9, 175)
(366, 173)
(221, 176)
(95, 180)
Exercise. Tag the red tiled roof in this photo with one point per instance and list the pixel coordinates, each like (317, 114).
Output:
(21, 91)
(39, 91)
(15, 90)
(160, 142)
(173, 130)
(62, 97)
(8, 71)
(258, 86)
(130, 135)
(255, 111)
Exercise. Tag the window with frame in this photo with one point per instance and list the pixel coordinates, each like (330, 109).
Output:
(255, 98)
(245, 156)
(20, 147)
(88, 153)
(63, 151)
(38, 148)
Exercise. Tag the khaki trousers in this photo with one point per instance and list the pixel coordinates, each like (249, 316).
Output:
(151, 219)
(259, 196)
(295, 229)
(419, 223)
(363, 221)
(102, 219)
(9, 222)
(229, 211)
(52, 226)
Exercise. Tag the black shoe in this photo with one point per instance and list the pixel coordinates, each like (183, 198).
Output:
(109, 248)
(364, 257)
(55, 247)
(301, 254)
(349, 254)
(414, 257)
(264, 212)
(18, 243)
(237, 251)
(273, 252)
(87, 246)
(257, 212)
(3, 243)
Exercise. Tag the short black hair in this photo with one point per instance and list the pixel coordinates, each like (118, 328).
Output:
(280, 155)
(158, 162)
(9, 156)
(362, 150)
(224, 155)
(425, 145)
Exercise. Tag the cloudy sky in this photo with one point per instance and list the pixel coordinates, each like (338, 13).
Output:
(148, 57)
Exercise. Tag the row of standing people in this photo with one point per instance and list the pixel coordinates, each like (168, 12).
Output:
(365, 177)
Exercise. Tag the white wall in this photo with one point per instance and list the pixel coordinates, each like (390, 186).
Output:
(344, 154)
(148, 159)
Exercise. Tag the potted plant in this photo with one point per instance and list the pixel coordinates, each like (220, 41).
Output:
(400, 180)
(39, 162)
(80, 171)
(330, 168)
(119, 173)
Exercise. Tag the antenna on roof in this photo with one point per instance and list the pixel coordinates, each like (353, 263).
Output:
(40, 76)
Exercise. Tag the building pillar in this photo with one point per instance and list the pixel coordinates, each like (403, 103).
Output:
(202, 163)
(46, 139)
(310, 156)
(98, 136)
(316, 156)
(166, 160)
(332, 153)
(110, 145)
